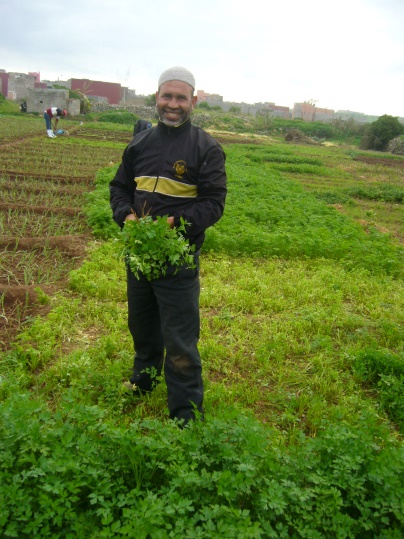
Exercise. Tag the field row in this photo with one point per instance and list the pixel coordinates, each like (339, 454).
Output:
(368, 187)
(43, 231)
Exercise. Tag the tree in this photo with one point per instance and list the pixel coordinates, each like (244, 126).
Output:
(150, 100)
(203, 105)
(381, 132)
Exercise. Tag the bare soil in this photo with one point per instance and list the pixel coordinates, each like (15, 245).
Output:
(20, 302)
(73, 246)
(399, 163)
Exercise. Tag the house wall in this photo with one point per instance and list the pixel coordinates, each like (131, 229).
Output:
(20, 84)
(38, 100)
(4, 83)
(311, 113)
(91, 88)
(210, 98)
(36, 75)
(323, 115)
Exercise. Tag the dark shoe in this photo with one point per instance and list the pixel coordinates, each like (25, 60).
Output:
(185, 416)
(135, 390)
(145, 380)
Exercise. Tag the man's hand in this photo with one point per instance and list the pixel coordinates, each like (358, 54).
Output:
(132, 217)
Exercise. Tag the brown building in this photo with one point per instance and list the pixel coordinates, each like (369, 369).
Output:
(210, 98)
(310, 113)
(112, 91)
(4, 83)
(278, 111)
(36, 75)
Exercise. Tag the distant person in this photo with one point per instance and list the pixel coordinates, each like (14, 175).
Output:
(54, 114)
(23, 107)
(141, 125)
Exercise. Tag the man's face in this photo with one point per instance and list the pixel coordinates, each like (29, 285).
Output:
(175, 102)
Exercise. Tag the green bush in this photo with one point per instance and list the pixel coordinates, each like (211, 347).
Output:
(371, 364)
(150, 100)
(118, 117)
(380, 132)
(206, 106)
(348, 130)
(384, 371)
(311, 129)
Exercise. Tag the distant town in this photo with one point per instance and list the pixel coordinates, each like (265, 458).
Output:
(30, 89)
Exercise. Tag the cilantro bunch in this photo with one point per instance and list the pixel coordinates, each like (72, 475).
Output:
(151, 246)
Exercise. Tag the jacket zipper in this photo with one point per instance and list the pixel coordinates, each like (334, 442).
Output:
(162, 159)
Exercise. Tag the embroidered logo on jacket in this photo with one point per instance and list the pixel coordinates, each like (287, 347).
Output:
(180, 168)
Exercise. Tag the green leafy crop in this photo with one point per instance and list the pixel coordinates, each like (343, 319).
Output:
(151, 246)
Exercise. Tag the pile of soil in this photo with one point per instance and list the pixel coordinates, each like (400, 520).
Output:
(298, 137)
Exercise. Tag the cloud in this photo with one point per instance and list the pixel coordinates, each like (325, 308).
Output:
(345, 54)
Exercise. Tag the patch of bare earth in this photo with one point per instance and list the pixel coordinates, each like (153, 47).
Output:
(380, 161)
(21, 302)
(34, 262)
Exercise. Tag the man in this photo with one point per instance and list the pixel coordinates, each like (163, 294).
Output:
(56, 113)
(174, 169)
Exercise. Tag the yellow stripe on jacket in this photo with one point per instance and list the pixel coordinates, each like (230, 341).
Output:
(166, 186)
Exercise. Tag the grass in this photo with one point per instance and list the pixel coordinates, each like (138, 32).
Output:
(274, 327)
(20, 223)
(24, 125)
(302, 346)
(44, 198)
(33, 267)
(74, 159)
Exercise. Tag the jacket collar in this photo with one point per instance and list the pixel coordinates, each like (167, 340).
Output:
(172, 131)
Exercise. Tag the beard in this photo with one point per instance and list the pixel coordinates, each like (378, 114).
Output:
(173, 119)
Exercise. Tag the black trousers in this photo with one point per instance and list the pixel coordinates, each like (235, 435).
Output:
(163, 318)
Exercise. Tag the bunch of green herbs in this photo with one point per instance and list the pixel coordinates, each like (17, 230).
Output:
(151, 246)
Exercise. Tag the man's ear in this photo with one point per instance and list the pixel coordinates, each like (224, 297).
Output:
(193, 101)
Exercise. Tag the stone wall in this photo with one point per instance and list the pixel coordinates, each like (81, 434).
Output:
(39, 100)
(144, 112)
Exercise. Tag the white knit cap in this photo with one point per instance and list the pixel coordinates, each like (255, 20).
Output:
(177, 73)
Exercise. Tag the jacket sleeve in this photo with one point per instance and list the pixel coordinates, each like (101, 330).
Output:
(208, 207)
(122, 190)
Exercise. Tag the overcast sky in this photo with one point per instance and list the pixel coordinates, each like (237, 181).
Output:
(343, 54)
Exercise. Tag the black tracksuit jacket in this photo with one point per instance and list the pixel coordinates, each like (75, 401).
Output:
(172, 171)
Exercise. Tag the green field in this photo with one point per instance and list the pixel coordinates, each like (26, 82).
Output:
(302, 308)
